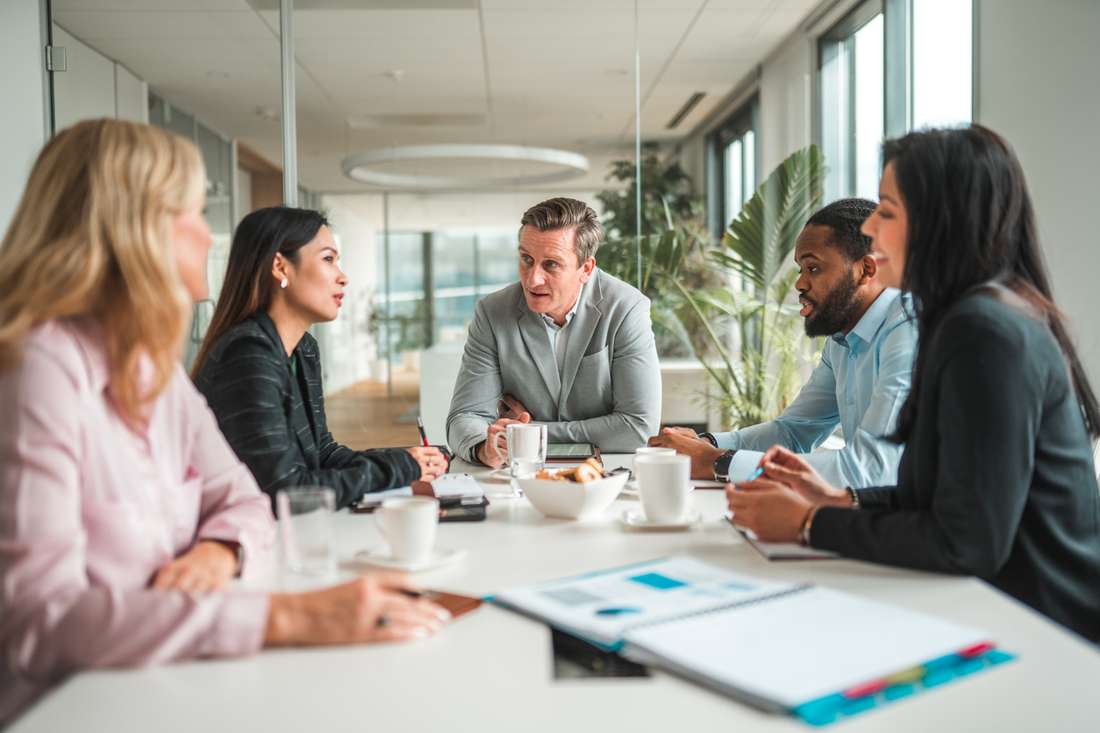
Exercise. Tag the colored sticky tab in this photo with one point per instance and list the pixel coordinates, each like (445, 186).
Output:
(937, 677)
(945, 662)
(977, 650)
(896, 692)
(821, 711)
(860, 705)
(868, 688)
(855, 700)
(970, 666)
(908, 676)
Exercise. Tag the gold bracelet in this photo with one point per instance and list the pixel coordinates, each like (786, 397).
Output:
(807, 523)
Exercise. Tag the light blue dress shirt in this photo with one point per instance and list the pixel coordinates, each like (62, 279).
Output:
(560, 334)
(861, 383)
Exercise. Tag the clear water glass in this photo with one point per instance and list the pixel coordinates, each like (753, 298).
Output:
(306, 529)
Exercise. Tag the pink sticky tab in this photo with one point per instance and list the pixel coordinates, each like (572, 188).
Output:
(864, 690)
(976, 651)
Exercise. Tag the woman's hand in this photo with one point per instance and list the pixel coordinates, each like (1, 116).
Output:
(207, 566)
(772, 511)
(782, 465)
(368, 609)
(433, 463)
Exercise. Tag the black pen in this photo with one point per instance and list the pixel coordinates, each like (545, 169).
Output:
(423, 435)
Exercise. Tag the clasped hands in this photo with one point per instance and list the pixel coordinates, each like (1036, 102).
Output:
(776, 505)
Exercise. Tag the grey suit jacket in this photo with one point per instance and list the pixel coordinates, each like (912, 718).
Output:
(610, 383)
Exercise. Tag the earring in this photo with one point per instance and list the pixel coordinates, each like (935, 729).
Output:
(283, 284)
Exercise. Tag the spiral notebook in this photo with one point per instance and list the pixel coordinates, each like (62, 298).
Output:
(777, 646)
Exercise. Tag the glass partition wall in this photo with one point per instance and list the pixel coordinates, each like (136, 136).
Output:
(424, 129)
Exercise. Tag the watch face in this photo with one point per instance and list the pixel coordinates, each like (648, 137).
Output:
(722, 465)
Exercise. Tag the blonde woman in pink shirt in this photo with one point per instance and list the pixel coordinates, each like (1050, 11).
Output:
(123, 512)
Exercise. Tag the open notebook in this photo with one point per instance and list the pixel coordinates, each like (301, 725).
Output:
(776, 646)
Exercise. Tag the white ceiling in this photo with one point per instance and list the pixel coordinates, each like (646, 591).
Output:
(548, 73)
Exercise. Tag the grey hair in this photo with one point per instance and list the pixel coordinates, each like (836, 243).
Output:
(562, 213)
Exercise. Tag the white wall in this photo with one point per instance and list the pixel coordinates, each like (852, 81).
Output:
(131, 96)
(86, 89)
(1036, 85)
(785, 103)
(22, 124)
(95, 86)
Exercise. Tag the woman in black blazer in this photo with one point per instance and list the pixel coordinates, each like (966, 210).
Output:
(997, 479)
(260, 370)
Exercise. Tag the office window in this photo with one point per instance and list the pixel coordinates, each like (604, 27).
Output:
(434, 282)
(942, 62)
(852, 102)
(733, 157)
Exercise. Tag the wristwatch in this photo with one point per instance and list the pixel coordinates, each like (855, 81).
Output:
(722, 465)
(709, 437)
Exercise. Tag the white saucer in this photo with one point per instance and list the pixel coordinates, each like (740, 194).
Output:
(380, 557)
(635, 519)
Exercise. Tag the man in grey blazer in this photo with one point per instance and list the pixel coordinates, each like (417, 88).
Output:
(568, 345)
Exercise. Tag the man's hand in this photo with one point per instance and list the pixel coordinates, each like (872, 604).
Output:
(685, 441)
(207, 566)
(494, 451)
(513, 409)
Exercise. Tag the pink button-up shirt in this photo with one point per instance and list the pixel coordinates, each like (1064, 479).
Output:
(91, 509)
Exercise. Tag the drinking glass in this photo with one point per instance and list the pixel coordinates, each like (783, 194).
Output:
(305, 529)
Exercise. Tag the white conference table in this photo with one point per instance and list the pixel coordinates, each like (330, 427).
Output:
(492, 669)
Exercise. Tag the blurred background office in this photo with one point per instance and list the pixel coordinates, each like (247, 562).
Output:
(424, 128)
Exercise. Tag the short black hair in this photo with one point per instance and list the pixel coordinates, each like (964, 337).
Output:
(845, 217)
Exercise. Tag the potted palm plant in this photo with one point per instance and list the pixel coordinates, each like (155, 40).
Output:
(729, 303)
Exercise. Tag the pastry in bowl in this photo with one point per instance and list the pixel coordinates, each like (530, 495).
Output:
(573, 493)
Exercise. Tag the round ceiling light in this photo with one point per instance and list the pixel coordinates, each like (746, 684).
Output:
(515, 162)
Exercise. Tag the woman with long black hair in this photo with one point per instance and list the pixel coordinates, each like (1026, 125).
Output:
(997, 479)
(260, 370)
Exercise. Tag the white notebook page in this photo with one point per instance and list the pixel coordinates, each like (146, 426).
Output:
(799, 647)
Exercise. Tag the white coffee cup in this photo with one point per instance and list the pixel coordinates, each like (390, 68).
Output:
(409, 523)
(664, 482)
(653, 450)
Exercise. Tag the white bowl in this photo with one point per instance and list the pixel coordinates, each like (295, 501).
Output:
(569, 500)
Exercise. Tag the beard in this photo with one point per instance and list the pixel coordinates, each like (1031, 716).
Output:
(836, 312)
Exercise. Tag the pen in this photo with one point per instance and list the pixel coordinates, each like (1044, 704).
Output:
(423, 435)
(755, 474)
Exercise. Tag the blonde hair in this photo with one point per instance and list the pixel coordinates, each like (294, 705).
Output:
(92, 237)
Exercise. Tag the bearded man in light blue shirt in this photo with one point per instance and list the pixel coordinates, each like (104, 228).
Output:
(863, 377)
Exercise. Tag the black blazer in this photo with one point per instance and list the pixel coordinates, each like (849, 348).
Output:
(275, 421)
(997, 479)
